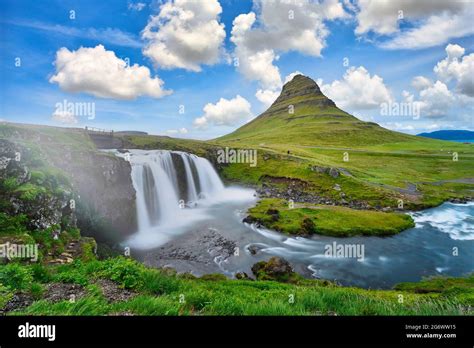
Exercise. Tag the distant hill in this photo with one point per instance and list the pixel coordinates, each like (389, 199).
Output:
(456, 135)
(303, 115)
(131, 133)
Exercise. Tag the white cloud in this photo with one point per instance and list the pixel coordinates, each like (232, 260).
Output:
(138, 6)
(64, 117)
(185, 34)
(226, 112)
(357, 90)
(433, 126)
(458, 67)
(277, 27)
(436, 30)
(267, 96)
(398, 126)
(111, 36)
(289, 77)
(433, 22)
(99, 72)
(420, 82)
(177, 131)
(434, 100)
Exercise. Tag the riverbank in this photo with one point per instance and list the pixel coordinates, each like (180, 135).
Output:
(304, 219)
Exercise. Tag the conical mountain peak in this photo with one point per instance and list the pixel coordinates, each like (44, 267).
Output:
(302, 89)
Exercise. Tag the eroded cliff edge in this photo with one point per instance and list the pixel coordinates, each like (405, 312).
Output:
(99, 183)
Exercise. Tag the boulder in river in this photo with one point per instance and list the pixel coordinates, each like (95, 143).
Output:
(276, 268)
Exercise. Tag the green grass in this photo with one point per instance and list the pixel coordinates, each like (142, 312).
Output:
(376, 177)
(178, 295)
(148, 142)
(335, 221)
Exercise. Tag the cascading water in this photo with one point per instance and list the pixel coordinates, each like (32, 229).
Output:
(167, 184)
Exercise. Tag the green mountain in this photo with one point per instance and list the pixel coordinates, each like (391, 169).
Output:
(304, 134)
(303, 115)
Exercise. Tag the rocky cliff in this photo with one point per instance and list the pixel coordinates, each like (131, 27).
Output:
(99, 183)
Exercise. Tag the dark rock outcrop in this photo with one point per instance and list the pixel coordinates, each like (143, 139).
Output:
(44, 207)
(276, 268)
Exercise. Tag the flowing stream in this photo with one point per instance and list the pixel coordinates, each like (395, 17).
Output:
(188, 220)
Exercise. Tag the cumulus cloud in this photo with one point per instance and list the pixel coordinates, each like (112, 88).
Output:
(177, 131)
(266, 96)
(185, 34)
(459, 68)
(277, 27)
(101, 73)
(433, 21)
(138, 6)
(289, 77)
(357, 90)
(226, 112)
(65, 117)
(421, 82)
(434, 100)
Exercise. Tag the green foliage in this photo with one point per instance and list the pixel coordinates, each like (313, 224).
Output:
(29, 191)
(36, 290)
(127, 272)
(73, 273)
(15, 276)
(5, 295)
(9, 184)
(158, 283)
(40, 273)
(88, 246)
(11, 225)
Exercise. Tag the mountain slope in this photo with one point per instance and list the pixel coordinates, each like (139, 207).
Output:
(303, 115)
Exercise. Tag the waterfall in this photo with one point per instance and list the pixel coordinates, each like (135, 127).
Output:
(168, 181)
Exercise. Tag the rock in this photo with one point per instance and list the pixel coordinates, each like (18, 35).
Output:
(18, 301)
(308, 226)
(276, 268)
(337, 187)
(242, 276)
(113, 292)
(56, 292)
(274, 213)
(253, 249)
(250, 219)
(333, 172)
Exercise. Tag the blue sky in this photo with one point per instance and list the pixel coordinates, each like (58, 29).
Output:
(358, 60)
